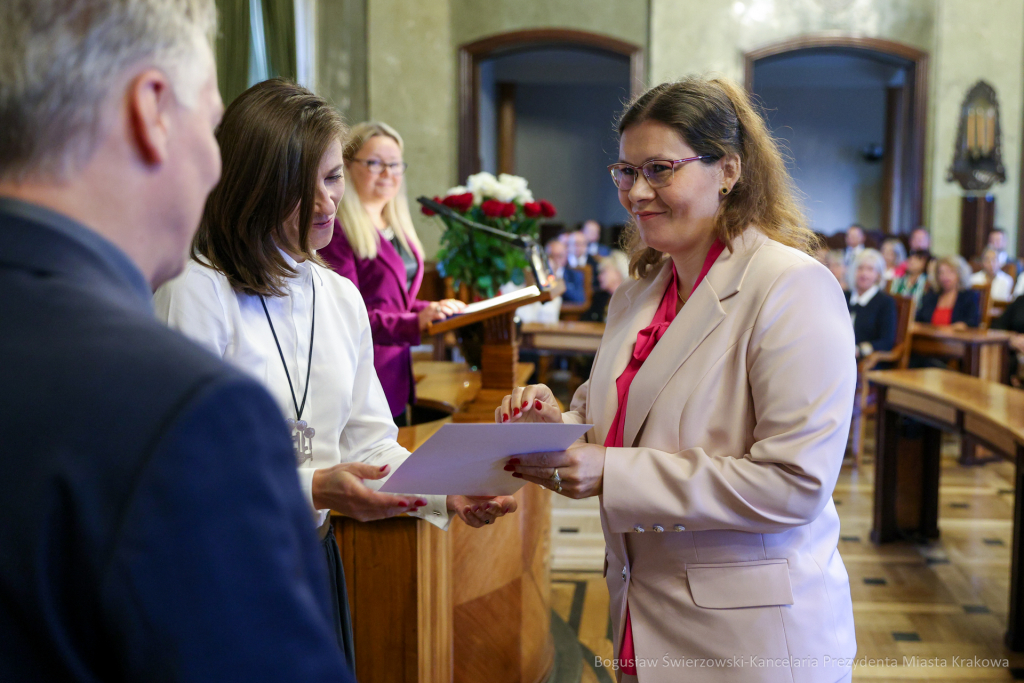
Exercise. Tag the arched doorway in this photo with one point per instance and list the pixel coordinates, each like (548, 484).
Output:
(905, 109)
(472, 54)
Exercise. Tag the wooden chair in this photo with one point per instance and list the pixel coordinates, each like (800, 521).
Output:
(985, 303)
(864, 404)
(570, 311)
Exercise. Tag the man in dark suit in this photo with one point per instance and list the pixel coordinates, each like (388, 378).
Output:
(573, 279)
(151, 520)
(591, 230)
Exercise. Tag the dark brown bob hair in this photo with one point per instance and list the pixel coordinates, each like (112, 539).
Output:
(716, 118)
(272, 138)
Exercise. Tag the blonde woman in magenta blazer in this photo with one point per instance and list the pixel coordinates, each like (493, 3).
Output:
(717, 506)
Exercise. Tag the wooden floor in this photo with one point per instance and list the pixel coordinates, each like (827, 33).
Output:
(939, 601)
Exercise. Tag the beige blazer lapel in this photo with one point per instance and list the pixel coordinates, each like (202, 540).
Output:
(700, 316)
(642, 302)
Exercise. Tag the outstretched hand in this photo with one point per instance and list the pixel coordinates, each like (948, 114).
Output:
(476, 511)
(341, 488)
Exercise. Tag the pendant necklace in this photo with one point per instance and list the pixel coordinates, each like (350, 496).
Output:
(302, 433)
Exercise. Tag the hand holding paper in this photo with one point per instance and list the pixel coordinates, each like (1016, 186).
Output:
(470, 459)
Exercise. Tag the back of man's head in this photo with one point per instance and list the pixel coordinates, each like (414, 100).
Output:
(61, 59)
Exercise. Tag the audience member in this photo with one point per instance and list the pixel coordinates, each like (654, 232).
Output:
(997, 241)
(612, 271)
(913, 282)
(854, 246)
(950, 300)
(895, 255)
(1001, 283)
(151, 520)
(578, 256)
(558, 260)
(591, 229)
(920, 239)
(1012, 319)
(836, 264)
(872, 311)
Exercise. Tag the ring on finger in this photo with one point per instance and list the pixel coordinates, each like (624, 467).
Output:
(556, 479)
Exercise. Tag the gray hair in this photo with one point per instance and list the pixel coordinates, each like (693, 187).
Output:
(874, 258)
(59, 59)
(898, 249)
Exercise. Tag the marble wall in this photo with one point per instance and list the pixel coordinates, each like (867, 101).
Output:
(967, 41)
(411, 66)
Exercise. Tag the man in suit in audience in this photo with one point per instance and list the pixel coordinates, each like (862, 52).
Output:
(592, 232)
(558, 259)
(997, 242)
(920, 239)
(854, 246)
(151, 519)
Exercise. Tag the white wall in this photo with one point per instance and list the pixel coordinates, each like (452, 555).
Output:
(825, 130)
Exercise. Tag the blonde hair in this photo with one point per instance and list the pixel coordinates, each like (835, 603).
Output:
(960, 267)
(355, 221)
(716, 118)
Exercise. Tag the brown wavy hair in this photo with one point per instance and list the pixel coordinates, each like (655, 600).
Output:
(272, 138)
(716, 118)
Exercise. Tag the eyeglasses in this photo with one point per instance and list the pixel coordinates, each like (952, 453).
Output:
(376, 167)
(658, 172)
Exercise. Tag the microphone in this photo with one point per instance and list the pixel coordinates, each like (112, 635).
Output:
(534, 254)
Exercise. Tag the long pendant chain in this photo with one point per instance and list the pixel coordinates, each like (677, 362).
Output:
(302, 433)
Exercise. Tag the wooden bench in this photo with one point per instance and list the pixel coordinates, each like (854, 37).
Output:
(980, 411)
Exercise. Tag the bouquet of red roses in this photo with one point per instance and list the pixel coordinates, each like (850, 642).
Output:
(480, 260)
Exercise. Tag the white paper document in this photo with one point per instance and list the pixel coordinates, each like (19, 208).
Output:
(518, 294)
(469, 459)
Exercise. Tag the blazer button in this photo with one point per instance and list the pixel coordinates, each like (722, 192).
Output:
(623, 573)
(658, 528)
(679, 527)
(639, 529)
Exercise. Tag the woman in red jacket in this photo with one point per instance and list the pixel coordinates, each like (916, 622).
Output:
(376, 247)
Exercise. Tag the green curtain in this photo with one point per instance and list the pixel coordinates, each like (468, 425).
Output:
(232, 48)
(279, 31)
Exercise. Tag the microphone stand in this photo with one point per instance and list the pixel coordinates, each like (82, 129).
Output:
(535, 255)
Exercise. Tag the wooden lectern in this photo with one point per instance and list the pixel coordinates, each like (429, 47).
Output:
(466, 605)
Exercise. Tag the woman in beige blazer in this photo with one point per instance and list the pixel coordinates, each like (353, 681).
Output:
(717, 511)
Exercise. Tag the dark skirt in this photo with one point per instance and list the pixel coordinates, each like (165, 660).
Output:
(339, 597)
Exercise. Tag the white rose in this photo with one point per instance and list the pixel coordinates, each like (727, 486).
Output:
(503, 193)
(458, 189)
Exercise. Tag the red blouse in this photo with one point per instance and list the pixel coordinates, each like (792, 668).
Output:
(942, 316)
(646, 340)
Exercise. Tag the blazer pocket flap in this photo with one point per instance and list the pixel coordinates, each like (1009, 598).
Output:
(729, 585)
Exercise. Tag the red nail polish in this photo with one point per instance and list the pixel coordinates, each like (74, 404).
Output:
(515, 411)
(421, 502)
(466, 511)
(526, 403)
(476, 509)
(401, 504)
(538, 405)
(513, 461)
(383, 468)
(509, 468)
(517, 475)
(504, 418)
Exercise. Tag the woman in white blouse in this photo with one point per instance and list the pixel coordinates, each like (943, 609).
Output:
(256, 294)
(1002, 284)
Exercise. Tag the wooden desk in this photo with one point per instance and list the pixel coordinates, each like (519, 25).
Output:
(465, 605)
(989, 413)
(564, 336)
(982, 353)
